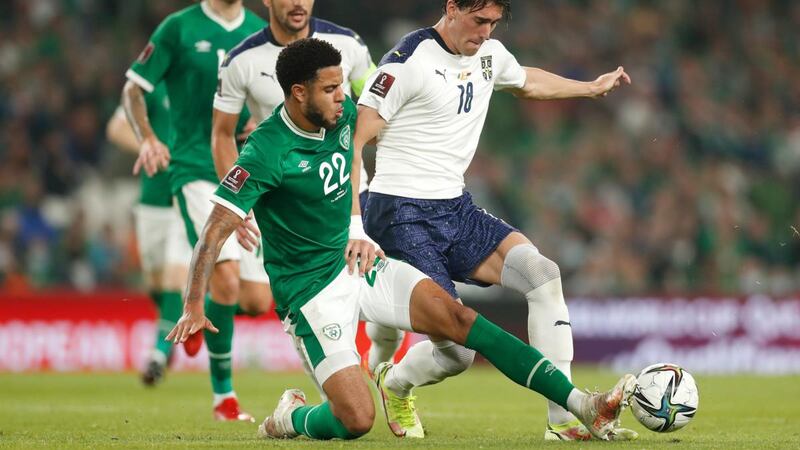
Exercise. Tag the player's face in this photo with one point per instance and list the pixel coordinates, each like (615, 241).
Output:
(470, 29)
(291, 15)
(324, 98)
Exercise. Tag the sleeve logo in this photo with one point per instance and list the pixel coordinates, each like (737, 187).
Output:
(146, 53)
(235, 179)
(382, 84)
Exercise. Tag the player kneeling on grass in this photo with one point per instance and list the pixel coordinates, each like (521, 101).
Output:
(294, 173)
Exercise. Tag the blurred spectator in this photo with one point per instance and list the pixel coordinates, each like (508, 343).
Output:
(687, 181)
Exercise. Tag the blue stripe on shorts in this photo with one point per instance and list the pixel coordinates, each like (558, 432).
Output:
(445, 239)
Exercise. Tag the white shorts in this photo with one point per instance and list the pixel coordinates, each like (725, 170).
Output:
(161, 238)
(194, 202)
(325, 330)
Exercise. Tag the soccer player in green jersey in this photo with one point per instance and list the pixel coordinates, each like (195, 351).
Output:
(185, 52)
(161, 239)
(294, 173)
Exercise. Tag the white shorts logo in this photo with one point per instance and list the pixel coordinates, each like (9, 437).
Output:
(332, 331)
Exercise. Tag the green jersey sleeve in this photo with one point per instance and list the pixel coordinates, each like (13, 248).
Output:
(154, 61)
(257, 171)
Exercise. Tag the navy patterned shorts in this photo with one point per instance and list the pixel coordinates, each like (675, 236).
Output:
(445, 239)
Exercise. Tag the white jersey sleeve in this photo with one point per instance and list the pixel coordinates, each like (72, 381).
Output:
(231, 86)
(510, 74)
(390, 88)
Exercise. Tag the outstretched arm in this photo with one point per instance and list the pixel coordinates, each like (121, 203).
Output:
(543, 85)
(120, 133)
(219, 226)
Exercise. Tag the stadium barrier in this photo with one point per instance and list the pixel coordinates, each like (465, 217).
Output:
(114, 331)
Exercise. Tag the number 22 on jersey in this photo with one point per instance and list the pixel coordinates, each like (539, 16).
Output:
(327, 170)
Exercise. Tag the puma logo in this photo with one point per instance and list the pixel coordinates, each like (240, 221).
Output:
(561, 322)
(265, 74)
(443, 74)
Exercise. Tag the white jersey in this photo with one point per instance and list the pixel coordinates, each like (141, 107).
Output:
(434, 103)
(248, 73)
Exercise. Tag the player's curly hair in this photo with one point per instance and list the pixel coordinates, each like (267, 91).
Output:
(474, 5)
(299, 62)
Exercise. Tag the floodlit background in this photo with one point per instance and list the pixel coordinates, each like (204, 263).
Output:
(671, 206)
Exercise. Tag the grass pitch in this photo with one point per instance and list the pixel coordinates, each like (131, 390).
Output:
(479, 409)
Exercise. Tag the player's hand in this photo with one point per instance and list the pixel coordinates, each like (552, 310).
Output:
(362, 252)
(608, 82)
(190, 323)
(249, 127)
(247, 234)
(153, 156)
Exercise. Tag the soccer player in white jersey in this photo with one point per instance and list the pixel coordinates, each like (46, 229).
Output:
(426, 105)
(248, 74)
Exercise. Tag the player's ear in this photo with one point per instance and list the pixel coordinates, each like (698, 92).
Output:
(298, 91)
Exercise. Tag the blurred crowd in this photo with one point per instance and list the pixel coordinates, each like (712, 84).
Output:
(686, 181)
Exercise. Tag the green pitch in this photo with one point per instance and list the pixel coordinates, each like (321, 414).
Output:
(477, 409)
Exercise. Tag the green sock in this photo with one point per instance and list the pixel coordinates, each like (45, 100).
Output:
(318, 422)
(169, 311)
(518, 361)
(220, 345)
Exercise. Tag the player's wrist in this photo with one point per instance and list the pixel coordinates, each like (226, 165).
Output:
(357, 228)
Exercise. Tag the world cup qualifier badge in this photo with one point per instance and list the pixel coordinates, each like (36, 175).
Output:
(486, 67)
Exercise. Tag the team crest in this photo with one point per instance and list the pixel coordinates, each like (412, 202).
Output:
(344, 137)
(332, 331)
(486, 67)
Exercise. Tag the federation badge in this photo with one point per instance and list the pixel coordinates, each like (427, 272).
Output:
(344, 137)
(332, 331)
(486, 67)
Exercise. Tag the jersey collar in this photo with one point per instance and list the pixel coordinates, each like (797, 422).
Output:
(228, 26)
(319, 136)
(438, 38)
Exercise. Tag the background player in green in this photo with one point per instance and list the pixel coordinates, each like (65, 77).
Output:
(161, 239)
(294, 173)
(185, 52)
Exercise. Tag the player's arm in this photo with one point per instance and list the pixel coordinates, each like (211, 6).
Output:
(120, 133)
(219, 226)
(224, 153)
(360, 246)
(543, 85)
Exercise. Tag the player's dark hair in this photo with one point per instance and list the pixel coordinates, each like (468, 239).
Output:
(474, 5)
(299, 62)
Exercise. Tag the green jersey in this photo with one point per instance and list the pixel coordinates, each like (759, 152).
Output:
(298, 185)
(186, 51)
(155, 190)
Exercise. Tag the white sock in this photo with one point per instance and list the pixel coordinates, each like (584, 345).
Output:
(219, 398)
(428, 363)
(385, 342)
(574, 400)
(549, 330)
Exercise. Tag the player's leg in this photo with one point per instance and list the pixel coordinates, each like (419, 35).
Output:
(255, 295)
(195, 206)
(418, 232)
(385, 340)
(401, 296)
(326, 329)
(152, 233)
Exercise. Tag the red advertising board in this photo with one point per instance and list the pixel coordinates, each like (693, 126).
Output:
(114, 331)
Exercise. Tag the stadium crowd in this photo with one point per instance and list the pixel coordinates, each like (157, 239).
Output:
(686, 181)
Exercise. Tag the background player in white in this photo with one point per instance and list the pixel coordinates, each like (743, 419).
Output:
(426, 106)
(247, 77)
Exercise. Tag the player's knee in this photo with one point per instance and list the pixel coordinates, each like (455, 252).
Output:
(525, 269)
(356, 419)
(255, 298)
(225, 286)
(380, 333)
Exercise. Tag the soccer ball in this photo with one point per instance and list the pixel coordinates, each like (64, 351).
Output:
(665, 398)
